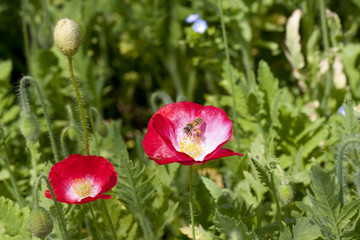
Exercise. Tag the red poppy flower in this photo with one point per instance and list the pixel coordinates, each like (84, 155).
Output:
(80, 179)
(166, 140)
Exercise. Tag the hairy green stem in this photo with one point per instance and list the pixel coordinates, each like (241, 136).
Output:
(30, 146)
(81, 107)
(108, 219)
(48, 123)
(164, 96)
(229, 73)
(339, 168)
(283, 178)
(17, 194)
(326, 43)
(103, 203)
(190, 203)
(62, 139)
(64, 232)
(278, 209)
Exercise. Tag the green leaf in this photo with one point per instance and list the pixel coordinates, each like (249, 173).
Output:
(5, 70)
(265, 178)
(313, 142)
(134, 188)
(349, 56)
(14, 221)
(286, 234)
(347, 212)
(200, 232)
(230, 227)
(349, 120)
(312, 127)
(253, 103)
(267, 82)
(214, 189)
(257, 149)
(326, 210)
(256, 186)
(305, 229)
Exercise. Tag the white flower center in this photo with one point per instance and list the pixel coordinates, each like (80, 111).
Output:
(83, 188)
(192, 146)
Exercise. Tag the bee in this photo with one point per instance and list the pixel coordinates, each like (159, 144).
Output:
(190, 127)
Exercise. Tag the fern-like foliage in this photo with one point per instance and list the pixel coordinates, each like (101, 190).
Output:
(14, 222)
(134, 187)
(304, 229)
(326, 210)
(231, 228)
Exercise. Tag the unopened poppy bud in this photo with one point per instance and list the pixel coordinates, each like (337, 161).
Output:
(101, 128)
(41, 223)
(285, 193)
(67, 36)
(29, 127)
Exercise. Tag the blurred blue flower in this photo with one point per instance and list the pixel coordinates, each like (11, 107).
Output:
(192, 18)
(341, 110)
(200, 26)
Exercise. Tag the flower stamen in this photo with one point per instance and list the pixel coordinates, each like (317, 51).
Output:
(191, 145)
(83, 188)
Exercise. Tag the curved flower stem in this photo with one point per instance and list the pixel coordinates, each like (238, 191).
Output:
(95, 222)
(191, 206)
(18, 196)
(273, 190)
(51, 135)
(160, 94)
(62, 138)
(229, 73)
(81, 107)
(30, 146)
(103, 203)
(283, 178)
(64, 232)
(339, 168)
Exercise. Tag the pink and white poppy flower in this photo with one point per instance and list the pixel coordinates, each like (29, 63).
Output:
(166, 140)
(81, 179)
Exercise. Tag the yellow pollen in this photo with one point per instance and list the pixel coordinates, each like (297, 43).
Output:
(191, 145)
(82, 187)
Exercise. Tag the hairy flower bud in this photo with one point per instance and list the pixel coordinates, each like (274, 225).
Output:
(67, 36)
(285, 193)
(41, 223)
(29, 127)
